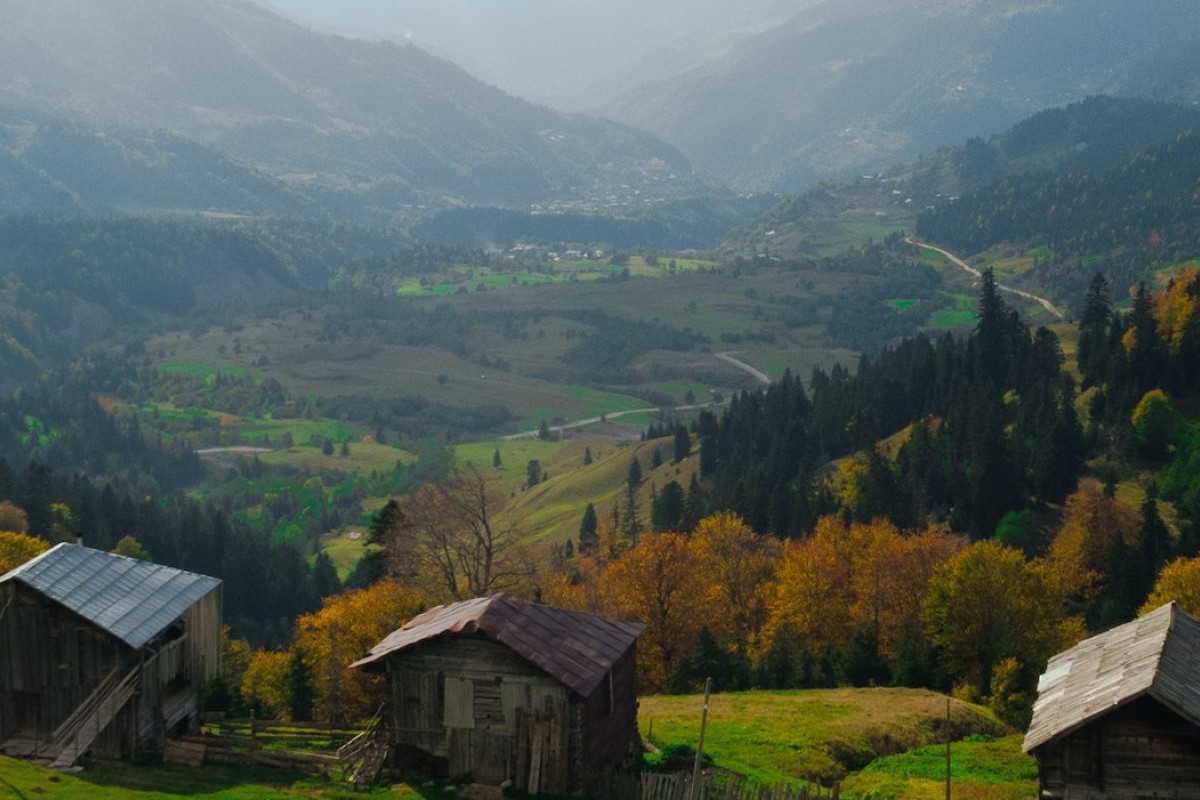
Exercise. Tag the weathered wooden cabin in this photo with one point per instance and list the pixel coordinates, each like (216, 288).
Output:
(507, 690)
(1118, 715)
(101, 652)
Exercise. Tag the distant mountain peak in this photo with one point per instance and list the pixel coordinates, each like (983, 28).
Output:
(856, 85)
(383, 124)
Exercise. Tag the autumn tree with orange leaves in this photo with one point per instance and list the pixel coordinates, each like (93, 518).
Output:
(737, 567)
(657, 583)
(864, 581)
(1096, 529)
(345, 628)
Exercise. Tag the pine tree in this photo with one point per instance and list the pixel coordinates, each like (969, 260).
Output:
(635, 473)
(991, 352)
(1092, 352)
(589, 539)
(533, 473)
(301, 692)
(668, 508)
(683, 443)
(631, 517)
(496, 462)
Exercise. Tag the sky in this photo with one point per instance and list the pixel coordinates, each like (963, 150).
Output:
(574, 55)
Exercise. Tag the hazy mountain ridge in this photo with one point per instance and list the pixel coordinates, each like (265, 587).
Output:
(52, 166)
(858, 85)
(569, 55)
(331, 117)
(1099, 133)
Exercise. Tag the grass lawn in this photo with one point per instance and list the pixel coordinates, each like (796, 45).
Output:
(20, 780)
(345, 549)
(981, 768)
(816, 735)
(962, 312)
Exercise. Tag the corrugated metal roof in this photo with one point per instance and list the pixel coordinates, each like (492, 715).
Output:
(133, 600)
(572, 646)
(1156, 655)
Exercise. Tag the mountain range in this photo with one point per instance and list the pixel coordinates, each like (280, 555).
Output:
(572, 56)
(369, 128)
(223, 107)
(849, 86)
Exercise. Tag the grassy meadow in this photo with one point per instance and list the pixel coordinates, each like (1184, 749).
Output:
(875, 744)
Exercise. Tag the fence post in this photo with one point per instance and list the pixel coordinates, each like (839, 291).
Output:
(700, 744)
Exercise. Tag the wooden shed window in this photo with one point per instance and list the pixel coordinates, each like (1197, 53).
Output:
(459, 709)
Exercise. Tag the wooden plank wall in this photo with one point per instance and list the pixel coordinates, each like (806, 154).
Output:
(610, 724)
(51, 661)
(477, 704)
(203, 622)
(1140, 751)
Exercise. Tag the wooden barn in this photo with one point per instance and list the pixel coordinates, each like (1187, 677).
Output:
(507, 690)
(101, 652)
(1118, 715)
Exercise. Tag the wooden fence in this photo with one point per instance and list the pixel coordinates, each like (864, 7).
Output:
(307, 746)
(678, 786)
(313, 748)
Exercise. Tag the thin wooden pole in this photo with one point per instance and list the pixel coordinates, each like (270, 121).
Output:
(948, 737)
(700, 744)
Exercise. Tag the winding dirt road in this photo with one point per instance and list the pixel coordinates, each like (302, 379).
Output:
(729, 358)
(1046, 304)
(758, 375)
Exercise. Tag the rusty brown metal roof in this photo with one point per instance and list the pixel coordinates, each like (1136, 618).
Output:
(574, 647)
(1157, 655)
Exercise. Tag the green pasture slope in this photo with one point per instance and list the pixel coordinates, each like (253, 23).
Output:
(552, 510)
(880, 743)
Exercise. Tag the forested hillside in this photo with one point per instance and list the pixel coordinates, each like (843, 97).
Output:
(1125, 222)
(1094, 135)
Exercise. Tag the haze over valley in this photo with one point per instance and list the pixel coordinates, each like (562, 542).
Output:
(869, 327)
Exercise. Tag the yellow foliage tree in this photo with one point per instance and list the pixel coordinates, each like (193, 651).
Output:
(656, 583)
(580, 588)
(892, 579)
(1178, 581)
(987, 604)
(1177, 308)
(265, 682)
(131, 548)
(345, 628)
(863, 576)
(812, 579)
(236, 655)
(17, 548)
(1093, 523)
(737, 567)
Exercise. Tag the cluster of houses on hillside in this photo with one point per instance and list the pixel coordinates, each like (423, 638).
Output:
(106, 654)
